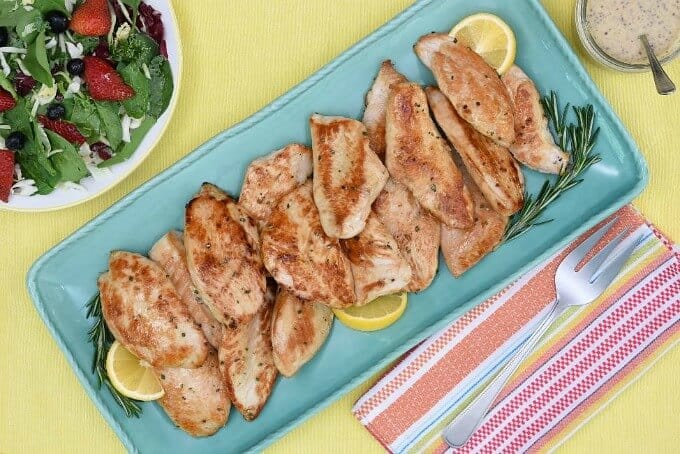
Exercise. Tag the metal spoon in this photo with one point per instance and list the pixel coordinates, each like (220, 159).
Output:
(664, 84)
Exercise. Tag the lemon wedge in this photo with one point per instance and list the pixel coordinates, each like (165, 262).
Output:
(490, 37)
(131, 376)
(378, 314)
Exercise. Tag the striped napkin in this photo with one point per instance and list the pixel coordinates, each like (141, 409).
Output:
(590, 355)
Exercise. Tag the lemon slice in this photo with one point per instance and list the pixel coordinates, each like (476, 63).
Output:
(131, 376)
(378, 314)
(490, 37)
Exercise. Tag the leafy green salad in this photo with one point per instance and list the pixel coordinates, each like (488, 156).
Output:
(81, 84)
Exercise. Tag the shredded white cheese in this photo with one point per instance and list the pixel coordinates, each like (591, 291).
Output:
(5, 67)
(124, 10)
(125, 123)
(74, 86)
(27, 2)
(17, 172)
(71, 185)
(69, 4)
(24, 187)
(74, 50)
(53, 152)
(145, 69)
(136, 122)
(46, 94)
(109, 35)
(2, 141)
(12, 50)
(22, 67)
(62, 42)
(96, 172)
(122, 33)
(51, 44)
(42, 136)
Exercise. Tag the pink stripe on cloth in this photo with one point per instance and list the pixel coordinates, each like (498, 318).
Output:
(576, 369)
(509, 414)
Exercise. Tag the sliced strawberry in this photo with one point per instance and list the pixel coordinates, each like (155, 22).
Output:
(6, 174)
(91, 18)
(7, 101)
(104, 83)
(65, 129)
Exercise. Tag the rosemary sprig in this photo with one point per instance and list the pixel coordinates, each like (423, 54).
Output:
(578, 140)
(101, 339)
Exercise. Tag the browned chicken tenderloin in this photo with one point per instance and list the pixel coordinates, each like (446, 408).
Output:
(376, 106)
(377, 264)
(348, 175)
(534, 145)
(492, 167)
(170, 254)
(415, 230)
(144, 313)
(299, 329)
(421, 160)
(224, 265)
(301, 257)
(247, 362)
(472, 86)
(196, 400)
(462, 249)
(271, 177)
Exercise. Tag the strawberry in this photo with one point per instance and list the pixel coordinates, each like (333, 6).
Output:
(91, 18)
(6, 174)
(7, 101)
(104, 83)
(65, 129)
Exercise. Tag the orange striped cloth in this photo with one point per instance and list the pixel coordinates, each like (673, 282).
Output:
(590, 355)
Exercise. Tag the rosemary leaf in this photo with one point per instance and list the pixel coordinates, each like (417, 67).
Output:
(578, 139)
(101, 339)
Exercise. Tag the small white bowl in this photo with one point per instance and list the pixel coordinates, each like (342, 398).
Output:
(64, 198)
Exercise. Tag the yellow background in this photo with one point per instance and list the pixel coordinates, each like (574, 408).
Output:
(239, 56)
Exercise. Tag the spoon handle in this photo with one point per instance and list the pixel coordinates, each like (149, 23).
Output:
(664, 84)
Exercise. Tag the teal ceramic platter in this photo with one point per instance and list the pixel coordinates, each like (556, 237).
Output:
(64, 279)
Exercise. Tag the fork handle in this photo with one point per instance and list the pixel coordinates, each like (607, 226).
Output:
(462, 427)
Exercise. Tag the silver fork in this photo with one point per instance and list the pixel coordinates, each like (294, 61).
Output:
(574, 288)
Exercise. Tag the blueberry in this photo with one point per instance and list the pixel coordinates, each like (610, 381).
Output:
(15, 141)
(56, 111)
(4, 37)
(57, 20)
(75, 67)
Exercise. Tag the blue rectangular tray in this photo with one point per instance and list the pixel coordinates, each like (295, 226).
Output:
(62, 280)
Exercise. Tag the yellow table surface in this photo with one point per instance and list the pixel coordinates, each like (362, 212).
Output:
(239, 56)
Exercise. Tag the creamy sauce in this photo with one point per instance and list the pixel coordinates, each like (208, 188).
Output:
(615, 26)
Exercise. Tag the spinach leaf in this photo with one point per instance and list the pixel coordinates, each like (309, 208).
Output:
(110, 121)
(19, 119)
(45, 6)
(85, 116)
(138, 47)
(36, 61)
(68, 162)
(35, 164)
(38, 167)
(7, 85)
(161, 86)
(10, 17)
(127, 149)
(133, 76)
(29, 25)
